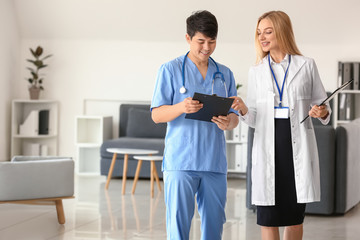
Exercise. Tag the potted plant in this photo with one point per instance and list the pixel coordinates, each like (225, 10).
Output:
(36, 81)
(238, 86)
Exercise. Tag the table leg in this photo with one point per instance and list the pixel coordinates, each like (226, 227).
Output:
(110, 171)
(152, 166)
(126, 158)
(138, 168)
(157, 177)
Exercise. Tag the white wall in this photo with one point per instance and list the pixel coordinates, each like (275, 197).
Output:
(9, 56)
(111, 49)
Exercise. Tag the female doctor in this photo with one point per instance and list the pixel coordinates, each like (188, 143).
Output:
(282, 87)
(194, 161)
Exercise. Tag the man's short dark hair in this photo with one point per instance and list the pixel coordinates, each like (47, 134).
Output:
(203, 22)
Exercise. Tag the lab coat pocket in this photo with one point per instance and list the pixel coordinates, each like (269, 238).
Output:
(303, 91)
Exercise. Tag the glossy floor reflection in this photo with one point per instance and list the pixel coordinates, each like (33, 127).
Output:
(99, 214)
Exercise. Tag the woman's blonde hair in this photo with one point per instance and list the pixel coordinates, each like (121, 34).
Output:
(283, 32)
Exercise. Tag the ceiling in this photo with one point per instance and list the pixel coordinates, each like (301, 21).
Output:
(322, 21)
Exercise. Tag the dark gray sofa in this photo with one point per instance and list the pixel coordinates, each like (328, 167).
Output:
(339, 168)
(136, 130)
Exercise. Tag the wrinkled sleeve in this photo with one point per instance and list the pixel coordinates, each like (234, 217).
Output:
(164, 89)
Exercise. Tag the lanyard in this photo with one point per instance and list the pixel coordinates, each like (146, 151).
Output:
(277, 85)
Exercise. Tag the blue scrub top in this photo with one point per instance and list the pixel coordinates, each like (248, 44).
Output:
(192, 145)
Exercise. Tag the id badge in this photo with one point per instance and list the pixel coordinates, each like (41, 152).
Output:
(282, 112)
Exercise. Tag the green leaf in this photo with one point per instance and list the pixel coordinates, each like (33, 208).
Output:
(238, 85)
(30, 80)
(32, 61)
(33, 53)
(46, 57)
(42, 66)
(38, 63)
(39, 51)
(41, 88)
(40, 80)
(35, 76)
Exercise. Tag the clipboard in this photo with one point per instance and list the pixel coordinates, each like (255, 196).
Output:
(331, 96)
(212, 106)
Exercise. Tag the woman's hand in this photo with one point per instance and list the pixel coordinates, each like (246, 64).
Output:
(239, 105)
(318, 112)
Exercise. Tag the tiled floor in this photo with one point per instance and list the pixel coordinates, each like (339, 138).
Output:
(99, 214)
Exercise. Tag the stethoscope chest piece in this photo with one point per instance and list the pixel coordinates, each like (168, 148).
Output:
(182, 90)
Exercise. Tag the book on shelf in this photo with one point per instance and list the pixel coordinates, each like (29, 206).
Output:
(356, 75)
(30, 127)
(30, 149)
(44, 122)
(34, 149)
(36, 123)
(347, 74)
(350, 110)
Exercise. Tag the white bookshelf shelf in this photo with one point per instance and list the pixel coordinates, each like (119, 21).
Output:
(20, 144)
(236, 148)
(39, 136)
(90, 132)
(346, 104)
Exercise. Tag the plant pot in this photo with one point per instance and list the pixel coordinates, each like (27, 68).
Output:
(34, 93)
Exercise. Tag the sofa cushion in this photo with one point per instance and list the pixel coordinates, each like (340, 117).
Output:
(140, 125)
(130, 142)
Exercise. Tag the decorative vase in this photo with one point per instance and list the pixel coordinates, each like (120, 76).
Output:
(34, 93)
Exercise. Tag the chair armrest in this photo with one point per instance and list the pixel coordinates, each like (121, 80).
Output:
(23, 180)
(37, 158)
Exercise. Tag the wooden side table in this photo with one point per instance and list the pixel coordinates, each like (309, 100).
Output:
(126, 152)
(153, 172)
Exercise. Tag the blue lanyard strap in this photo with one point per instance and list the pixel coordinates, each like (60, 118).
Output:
(277, 85)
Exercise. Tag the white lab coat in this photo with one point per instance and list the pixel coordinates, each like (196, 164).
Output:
(304, 90)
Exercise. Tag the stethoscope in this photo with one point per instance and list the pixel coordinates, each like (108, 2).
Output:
(183, 89)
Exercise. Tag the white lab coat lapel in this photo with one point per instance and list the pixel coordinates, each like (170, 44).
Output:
(297, 62)
(266, 74)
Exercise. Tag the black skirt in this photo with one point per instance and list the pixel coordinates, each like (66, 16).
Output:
(286, 211)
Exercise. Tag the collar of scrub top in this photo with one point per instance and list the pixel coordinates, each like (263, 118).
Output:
(183, 89)
(283, 84)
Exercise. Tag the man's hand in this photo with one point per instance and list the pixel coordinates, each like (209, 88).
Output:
(221, 121)
(191, 106)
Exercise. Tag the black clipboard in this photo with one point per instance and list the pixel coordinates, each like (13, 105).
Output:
(331, 96)
(212, 106)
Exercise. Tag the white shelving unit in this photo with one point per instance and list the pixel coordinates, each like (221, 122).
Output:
(236, 148)
(20, 143)
(90, 133)
(353, 93)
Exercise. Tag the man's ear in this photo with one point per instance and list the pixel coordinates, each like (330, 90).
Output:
(188, 38)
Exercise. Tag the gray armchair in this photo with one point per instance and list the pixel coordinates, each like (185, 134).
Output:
(37, 179)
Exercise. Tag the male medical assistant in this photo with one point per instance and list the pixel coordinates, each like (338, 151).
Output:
(194, 150)
(177, 156)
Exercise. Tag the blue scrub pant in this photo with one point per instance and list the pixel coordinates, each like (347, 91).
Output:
(180, 188)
